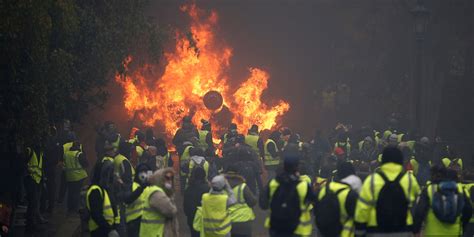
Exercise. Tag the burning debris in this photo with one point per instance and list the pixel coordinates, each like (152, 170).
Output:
(194, 83)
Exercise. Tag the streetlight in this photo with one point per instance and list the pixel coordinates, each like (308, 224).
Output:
(421, 15)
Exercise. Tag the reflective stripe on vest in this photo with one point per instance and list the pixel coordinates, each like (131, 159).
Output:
(107, 158)
(72, 168)
(269, 159)
(215, 215)
(240, 211)
(152, 223)
(134, 210)
(434, 227)
(35, 165)
(107, 210)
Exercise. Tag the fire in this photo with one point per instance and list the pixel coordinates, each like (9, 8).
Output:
(197, 64)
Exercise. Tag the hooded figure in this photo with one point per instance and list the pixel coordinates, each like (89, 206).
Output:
(163, 202)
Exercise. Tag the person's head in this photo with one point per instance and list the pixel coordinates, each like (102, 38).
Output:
(125, 149)
(198, 175)
(368, 143)
(187, 120)
(140, 136)
(142, 172)
(293, 139)
(275, 136)
(106, 175)
(149, 134)
(438, 173)
(163, 178)
(342, 137)
(232, 168)
(66, 125)
(452, 175)
(285, 134)
(240, 139)
(291, 163)
(253, 129)
(344, 169)
(232, 127)
(218, 183)
(393, 140)
(206, 126)
(110, 127)
(392, 154)
(195, 151)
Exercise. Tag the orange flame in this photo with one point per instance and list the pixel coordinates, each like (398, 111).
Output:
(196, 66)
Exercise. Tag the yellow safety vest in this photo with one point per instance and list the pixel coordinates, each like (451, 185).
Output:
(346, 222)
(107, 210)
(202, 140)
(116, 143)
(35, 165)
(107, 158)
(252, 141)
(134, 210)
(152, 223)
(118, 165)
(366, 205)
(467, 189)
(240, 211)
(434, 227)
(305, 226)
(73, 169)
(447, 162)
(215, 215)
(269, 159)
(185, 156)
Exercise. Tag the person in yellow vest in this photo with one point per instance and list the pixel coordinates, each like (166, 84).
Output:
(159, 216)
(198, 185)
(134, 200)
(75, 165)
(344, 143)
(32, 185)
(468, 184)
(254, 141)
(101, 206)
(443, 208)
(205, 136)
(336, 217)
(271, 158)
(184, 160)
(215, 220)
(288, 198)
(386, 197)
(197, 160)
(241, 212)
(109, 153)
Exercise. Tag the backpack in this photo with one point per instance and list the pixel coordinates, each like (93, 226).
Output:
(285, 208)
(454, 165)
(392, 204)
(328, 214)
(447, 203)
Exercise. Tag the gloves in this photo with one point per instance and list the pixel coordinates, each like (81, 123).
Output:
(113, 233)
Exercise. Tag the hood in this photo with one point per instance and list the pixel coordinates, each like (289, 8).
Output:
(158, 177)
(354, 181)
(198, 159)
(234, 179)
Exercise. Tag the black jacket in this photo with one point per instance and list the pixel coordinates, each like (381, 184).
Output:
(192, 198)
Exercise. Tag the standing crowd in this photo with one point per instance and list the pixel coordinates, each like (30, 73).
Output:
(351, 183)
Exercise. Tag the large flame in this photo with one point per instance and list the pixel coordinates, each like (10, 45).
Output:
(196, 66)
